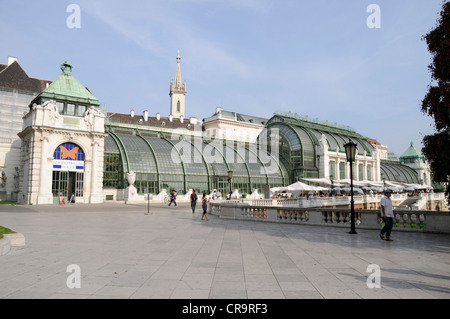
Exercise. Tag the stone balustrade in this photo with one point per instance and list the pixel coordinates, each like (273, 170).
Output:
(405, 220)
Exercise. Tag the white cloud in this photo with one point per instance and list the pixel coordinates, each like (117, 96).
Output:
(159, 29)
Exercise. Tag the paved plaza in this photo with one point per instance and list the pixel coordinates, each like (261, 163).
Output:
(173, 254)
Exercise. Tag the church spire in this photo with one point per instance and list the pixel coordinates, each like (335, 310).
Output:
(178, 75)
(177, 93)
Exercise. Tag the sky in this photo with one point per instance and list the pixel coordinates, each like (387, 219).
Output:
(317, 58)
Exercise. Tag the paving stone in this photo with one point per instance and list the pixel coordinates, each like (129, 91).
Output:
(123, 253)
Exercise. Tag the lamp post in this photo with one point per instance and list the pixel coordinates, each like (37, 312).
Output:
(230, 176)
(350, 152)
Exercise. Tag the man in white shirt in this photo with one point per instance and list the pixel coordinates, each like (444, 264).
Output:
(387, 214)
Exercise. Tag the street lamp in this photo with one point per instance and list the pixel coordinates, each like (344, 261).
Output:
(230, 176)
(350, 152)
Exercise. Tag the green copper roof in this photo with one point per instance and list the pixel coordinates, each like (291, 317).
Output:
(67, 87)
(412, 152)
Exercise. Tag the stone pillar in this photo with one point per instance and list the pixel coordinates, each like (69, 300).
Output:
(44, 196)
(96, 194)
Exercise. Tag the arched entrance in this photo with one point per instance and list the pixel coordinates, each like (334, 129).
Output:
(68, 172)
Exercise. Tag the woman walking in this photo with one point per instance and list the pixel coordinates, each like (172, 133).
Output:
(204, 206)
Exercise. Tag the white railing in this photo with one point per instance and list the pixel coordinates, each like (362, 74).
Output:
(405, 220)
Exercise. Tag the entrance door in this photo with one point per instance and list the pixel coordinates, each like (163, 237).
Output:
(67, 184)
(71, 186)
(222, 185)
(68, 172)
(59, 186)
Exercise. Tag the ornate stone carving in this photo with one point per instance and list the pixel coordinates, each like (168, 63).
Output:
(16, 179)
(54, 113)
(89, 117)
(3, 179)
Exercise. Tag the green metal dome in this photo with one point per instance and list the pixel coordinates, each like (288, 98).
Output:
(411, 152)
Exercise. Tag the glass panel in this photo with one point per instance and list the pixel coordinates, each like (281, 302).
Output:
(169, 160)
(369, 172)
(81, 109)
(79, 185)
(112, 171)
(332, 169)
(60, 106)
(308, 147)
(139, 154)
(111, 145)
(70, 109)
(342, 170)
(59, 183)
(361, 172)
(333, 145)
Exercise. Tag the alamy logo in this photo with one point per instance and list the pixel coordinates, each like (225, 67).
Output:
(374, 279)
(74, 279)
(73, 21)
(374, 19)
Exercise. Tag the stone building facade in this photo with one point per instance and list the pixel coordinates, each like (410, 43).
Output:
(62, 145)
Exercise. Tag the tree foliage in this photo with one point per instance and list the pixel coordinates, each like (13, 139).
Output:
(437, 100)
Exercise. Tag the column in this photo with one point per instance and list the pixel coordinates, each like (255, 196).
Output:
(93, 177)
(44, 175)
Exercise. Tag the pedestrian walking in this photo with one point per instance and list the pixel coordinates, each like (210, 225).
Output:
(387, 214)
(204, 206)
(173, 197)
(194, 198)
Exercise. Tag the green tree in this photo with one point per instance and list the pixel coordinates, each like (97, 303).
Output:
(437, 100)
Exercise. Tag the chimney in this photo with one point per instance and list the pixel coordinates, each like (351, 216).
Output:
(181, 119)
(145, 115)
(12, 59)
(219, 109)
(193, 120)
(132, 112)
(170, 118)
(158, 116)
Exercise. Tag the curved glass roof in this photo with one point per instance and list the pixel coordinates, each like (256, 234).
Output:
(396, 172)
(305, 136)
(137, 154)
(175, 163)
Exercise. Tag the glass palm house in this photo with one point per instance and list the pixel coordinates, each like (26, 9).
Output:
(182, 162)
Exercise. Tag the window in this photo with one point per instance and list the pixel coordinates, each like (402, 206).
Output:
(111, 171)
(70, 109)
(342, 170)
(332, 169)
(178, 106)
(60, 106)
(81, 109)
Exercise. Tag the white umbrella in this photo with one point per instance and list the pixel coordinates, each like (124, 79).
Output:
(320, 189)
(299, 186)
(323, 181)
(281, 189)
